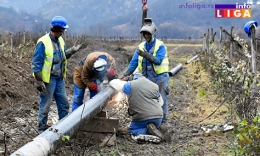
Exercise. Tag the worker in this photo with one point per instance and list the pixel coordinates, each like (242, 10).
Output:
(90, 73)
(144, 106)
(150, 58)
(49, 69)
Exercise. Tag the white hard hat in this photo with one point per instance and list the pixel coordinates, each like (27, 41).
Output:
(99, 64)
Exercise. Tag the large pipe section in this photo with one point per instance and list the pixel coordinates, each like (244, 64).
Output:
(175, 69)
(50, 140)
(192, 59)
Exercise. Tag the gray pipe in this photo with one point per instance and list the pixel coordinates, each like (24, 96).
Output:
(175, 69)
(192, 59)
(50, 140)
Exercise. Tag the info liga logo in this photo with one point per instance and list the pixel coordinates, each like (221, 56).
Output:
(233, 10)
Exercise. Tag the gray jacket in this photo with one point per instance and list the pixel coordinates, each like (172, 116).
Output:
(143, 100)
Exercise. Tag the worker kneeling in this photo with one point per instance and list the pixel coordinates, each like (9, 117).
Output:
(145, 107)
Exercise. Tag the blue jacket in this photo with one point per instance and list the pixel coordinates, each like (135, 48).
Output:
(158, 60)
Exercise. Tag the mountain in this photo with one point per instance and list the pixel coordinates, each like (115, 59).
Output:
(174, 19)
(13, 21)
(23, 5)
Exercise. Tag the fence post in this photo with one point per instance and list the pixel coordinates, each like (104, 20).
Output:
(2, 43)
(231, 46)
(11, 42)
(253, 52)
(204, 46)
(207, 41)
(211, 36)
(253, 43)
(220, 39)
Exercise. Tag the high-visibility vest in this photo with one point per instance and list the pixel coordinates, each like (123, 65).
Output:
(46, 69)
(163, 67)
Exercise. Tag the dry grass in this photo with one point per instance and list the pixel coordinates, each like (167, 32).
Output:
(184, 45)
(203, 106)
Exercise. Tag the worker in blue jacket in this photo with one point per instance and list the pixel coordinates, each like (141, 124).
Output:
(151, 59)
(49, 65)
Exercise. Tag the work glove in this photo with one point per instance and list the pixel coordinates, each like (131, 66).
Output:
(93, 87)
(38, 76)
(146, 55)
(41, 86)
(111, 74)
(125, 75)
(69, 52)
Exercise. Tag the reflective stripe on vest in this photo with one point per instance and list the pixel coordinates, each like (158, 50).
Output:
(46, 69)
(163, 67)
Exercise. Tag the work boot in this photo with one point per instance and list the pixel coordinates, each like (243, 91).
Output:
(143, 138)
(152, 129)
(137, 139)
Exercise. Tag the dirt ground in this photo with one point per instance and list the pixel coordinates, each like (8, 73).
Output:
(19, 107)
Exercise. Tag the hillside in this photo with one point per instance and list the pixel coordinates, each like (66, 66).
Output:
(124, 17)
(19, 21)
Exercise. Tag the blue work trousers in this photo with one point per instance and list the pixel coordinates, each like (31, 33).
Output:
(163, 82)
(56, 89)
(139, 127)
(78, 97)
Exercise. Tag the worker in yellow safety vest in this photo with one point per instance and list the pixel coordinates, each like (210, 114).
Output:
(150, 58)
(49, 69)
